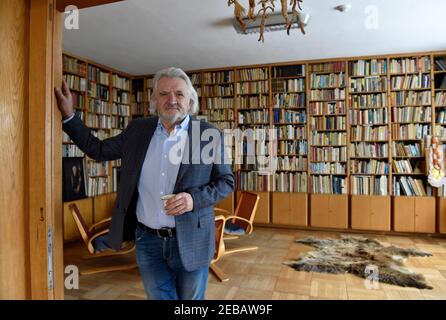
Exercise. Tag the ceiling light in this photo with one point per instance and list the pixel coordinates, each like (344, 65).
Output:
(266, 19)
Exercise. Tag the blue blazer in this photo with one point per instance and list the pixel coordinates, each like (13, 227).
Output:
(207, 183)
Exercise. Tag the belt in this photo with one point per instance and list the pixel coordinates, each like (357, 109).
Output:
(162, 233)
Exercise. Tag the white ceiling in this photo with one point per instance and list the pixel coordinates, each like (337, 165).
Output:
(143, 36)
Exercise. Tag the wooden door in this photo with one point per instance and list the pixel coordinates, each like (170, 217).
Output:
(360, 206)
(338, 211)
(319, 210)
(425, 214)
(404, 214)
(380, 213)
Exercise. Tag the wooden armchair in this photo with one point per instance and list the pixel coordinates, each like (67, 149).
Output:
(241, 222)
(219, 248)
(89, 235)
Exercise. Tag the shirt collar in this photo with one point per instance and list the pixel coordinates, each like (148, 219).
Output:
(183, 125)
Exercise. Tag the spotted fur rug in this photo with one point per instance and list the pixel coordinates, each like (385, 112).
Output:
(354, 254)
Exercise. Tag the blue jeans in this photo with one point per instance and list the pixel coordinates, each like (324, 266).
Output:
(162, 272)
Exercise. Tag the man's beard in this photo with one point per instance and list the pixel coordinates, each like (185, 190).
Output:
(176, 118)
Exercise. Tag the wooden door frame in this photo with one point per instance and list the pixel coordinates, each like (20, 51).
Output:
(45, 207)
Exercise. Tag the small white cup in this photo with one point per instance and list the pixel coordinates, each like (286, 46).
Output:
(167, 197)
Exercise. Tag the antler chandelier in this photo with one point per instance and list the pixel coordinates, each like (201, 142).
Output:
(267, 6)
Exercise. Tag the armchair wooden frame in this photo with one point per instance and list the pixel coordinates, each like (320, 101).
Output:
(219, 248)
(243, 216)
(90, 234)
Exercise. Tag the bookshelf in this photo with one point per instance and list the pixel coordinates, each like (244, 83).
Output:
(139, 102)
(101, 97)
(439, 100)
(328, 123)
(369, 156)
(290, 178)
(252, 115)
(411, 103)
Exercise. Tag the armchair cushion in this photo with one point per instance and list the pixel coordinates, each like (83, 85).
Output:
(100, 244)
(232, 228)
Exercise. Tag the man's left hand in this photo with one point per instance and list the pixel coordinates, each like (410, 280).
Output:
(181, 203)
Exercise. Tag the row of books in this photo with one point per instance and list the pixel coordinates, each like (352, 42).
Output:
(247, 102)
(410, 98)
(296, 147)
(120, 96)
(369, 150)
(440, 64)
(369, 185)
(369, 167)
(368, 133)
(121, 110)
(291, 132)
(378, 100)
(252, 87)
(326, 95)
(121, 82)
(327, 108)
(328, 123)
(334, 67)
(321, 81)
(290, 182)
(410, 131)
(71, 150)
(422, 81)
(328, 154)
(288, 116)
(370, 116)
(74, 66)
(219, 90)
(98, 168)
(401, 149)
(216, 77)
(253, 74)
(328, 184)
(289, 100)
(329, 139)
(98, 91)
(327, 168)
(412, 114)
(78, 100)
(290, 85)
(253, 116)
(75, 82)
(291, 163)
(220, 115)
(97, 186)
(367, 67)
(252, 181)
(410, 186)
(368, 84)
(99, 106)
(219, 103)
(97, 75)
(405, 166)
(410, 65)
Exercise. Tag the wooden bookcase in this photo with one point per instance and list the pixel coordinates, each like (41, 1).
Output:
(369, 156)
(412, 121)
(289, 114)
(328, 123)
(101, 97)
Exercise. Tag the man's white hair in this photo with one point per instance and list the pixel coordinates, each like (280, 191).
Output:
(173, 72)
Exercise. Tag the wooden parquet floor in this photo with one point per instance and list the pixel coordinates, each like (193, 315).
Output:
(261, 274)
